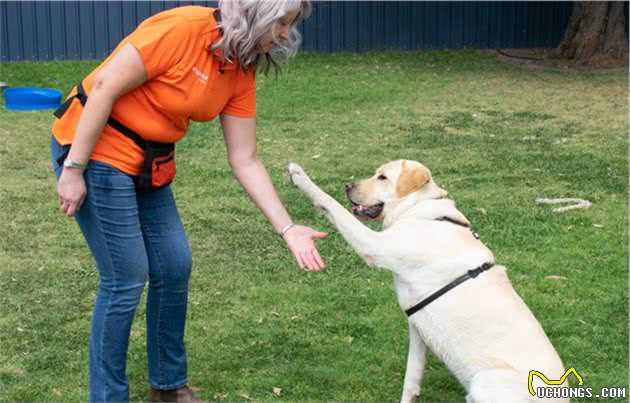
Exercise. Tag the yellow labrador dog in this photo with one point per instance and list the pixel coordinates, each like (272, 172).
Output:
(460, 304)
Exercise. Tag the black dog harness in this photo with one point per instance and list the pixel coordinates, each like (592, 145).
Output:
(467, 276)
(461, 224)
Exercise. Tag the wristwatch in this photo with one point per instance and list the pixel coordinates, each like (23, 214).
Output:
(68, 163)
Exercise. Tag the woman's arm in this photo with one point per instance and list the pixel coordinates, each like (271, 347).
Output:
(124, 72)
(240, 141)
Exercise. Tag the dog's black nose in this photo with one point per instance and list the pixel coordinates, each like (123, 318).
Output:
(349, 186)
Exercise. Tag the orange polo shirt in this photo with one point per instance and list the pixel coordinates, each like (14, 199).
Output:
(185, 81)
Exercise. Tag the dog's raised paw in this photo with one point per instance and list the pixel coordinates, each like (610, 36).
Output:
(295, 173)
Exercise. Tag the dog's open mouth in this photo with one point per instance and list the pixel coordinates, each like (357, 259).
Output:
(367, 211)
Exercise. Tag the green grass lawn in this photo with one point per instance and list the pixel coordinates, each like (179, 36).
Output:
(496, 136)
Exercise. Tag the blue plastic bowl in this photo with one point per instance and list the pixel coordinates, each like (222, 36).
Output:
(31, 98)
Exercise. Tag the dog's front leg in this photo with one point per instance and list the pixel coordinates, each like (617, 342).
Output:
(364, 241)
(415, 366)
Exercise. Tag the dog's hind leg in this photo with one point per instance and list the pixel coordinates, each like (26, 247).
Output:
(364, 241)
(416, 360)
(500, 385)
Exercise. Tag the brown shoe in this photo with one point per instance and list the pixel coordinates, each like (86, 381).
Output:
(181, 395)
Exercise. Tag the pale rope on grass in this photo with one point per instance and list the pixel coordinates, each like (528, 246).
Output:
(579, 203)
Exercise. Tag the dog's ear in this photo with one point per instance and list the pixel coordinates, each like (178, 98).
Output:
(411, 179)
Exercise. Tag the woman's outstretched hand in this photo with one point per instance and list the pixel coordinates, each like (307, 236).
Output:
(300, 242)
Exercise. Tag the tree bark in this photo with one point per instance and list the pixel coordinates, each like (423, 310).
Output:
(595, 33)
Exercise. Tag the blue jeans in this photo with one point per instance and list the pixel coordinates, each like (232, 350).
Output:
(133, 236)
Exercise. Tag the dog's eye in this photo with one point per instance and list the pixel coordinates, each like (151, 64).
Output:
(382, 177)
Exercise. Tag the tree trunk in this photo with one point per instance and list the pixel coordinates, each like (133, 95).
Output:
(595, 33)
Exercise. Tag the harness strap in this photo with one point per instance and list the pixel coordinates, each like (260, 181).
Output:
(64, 107)
(81, 95)
(452, 221)
(461, 224)
(467, 276)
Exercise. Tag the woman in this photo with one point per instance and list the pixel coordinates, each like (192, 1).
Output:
(185, 63)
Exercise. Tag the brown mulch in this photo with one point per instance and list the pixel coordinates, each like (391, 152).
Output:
(537, 58)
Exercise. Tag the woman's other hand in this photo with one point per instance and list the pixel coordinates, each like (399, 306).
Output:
(71, 190)
(300, 242)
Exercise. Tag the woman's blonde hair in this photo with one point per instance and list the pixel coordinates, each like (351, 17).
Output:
(244, 22)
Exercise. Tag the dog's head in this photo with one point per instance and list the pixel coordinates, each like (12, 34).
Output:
(391, 183)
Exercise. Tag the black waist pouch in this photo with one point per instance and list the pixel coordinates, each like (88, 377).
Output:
(158, 169)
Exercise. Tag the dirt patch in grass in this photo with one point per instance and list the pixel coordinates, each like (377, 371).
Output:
(536, 58)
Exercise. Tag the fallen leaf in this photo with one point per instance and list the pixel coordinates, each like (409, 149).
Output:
(220, 396)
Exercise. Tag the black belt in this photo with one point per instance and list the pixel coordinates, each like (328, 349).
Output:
(81, 95)
(143, 181)
(470, 274)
